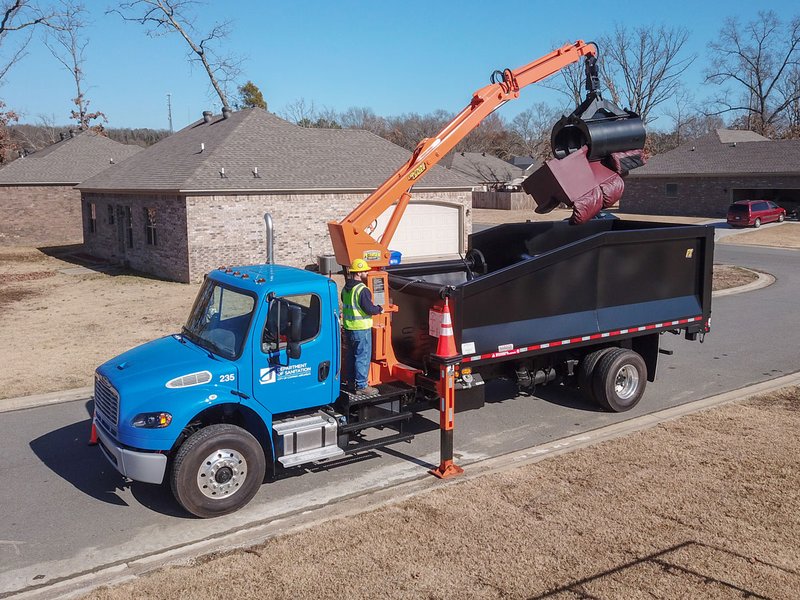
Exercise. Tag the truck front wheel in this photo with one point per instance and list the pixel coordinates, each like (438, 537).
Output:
(619, 380)
(217, 470)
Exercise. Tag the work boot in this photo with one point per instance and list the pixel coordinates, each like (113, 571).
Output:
(367, 391)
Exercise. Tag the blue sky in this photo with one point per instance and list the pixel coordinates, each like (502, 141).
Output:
(393, 57)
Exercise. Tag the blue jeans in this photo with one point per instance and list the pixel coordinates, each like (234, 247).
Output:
(359, 353)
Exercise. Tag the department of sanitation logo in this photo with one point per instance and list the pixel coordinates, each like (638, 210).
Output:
(267, 375)
(273, 374)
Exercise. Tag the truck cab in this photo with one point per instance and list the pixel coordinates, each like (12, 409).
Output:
(211, 407)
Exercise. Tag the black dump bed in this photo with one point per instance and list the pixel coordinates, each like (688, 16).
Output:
(550, 283)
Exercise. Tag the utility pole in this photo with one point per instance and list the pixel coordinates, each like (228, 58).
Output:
(169, 110)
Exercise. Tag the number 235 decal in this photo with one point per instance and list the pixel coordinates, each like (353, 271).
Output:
(227, 377)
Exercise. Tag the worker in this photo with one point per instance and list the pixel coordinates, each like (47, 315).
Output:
(357, 311)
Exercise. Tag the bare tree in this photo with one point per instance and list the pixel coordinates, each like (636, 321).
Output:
(533, 127)
(67, 44)
(19, 16)
(642, 66)
(363, 118)
(760, 60)
(788, 91)
(163, 17)
(300, 111)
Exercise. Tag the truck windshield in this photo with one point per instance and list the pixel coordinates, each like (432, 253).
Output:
(220, 319)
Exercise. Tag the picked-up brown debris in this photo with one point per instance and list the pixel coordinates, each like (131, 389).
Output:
(707, 506)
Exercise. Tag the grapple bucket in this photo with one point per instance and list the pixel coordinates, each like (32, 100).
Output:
(600, 126)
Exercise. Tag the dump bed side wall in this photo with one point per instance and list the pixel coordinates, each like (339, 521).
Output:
(547, 284)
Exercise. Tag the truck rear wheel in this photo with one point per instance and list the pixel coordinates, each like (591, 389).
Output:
(217, 470)
(619, 380)
(586, 369)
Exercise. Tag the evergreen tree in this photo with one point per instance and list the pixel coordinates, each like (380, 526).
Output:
(250, 97)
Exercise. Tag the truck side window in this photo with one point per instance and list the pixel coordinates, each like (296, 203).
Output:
(310, 308)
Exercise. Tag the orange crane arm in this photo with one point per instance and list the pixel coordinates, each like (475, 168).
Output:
(349, 236)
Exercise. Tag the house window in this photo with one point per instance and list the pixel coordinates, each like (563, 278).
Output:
(671, 190)
(110, 214)
(92, 217)
(127, 225)
(150, 226)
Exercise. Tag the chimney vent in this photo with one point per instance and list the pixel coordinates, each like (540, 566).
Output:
(111, 161)
(207, 114)
(226, 112)
(202, 146)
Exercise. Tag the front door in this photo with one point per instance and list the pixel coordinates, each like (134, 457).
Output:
(282, 383)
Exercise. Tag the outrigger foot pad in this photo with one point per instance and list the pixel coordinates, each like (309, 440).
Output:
(446, 470)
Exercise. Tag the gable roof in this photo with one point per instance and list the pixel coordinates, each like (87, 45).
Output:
(484, 168)
(726, 152)
(67, 162)
(288, 158)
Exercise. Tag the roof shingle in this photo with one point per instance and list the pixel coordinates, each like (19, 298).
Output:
(726, 152)
(68, 161)
(287, 157)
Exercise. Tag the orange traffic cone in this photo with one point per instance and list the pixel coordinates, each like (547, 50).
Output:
(447, 342)
(93, 434)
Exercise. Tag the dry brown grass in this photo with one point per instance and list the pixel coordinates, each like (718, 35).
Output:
(727, 276)
(704, 507)
(786, 235)
(55, 330)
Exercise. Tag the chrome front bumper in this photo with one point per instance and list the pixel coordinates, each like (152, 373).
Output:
(147, 467)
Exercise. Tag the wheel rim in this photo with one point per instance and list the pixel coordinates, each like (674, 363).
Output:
(626, 382)
(221, 474)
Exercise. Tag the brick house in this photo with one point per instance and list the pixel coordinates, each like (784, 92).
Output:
(702, 177)
(39, 205)
(197, 199)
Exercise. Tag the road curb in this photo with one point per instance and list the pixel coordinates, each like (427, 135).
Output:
(259, 532)
(763, 280)
(23, 402)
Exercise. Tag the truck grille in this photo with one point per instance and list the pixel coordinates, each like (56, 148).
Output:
(106, 404)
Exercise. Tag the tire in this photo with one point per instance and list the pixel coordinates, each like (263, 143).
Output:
(781, 217)
(586, 369)
(757, 223)
(226, 456)
(619, 380)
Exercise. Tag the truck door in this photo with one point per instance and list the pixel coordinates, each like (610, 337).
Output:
(292, 358)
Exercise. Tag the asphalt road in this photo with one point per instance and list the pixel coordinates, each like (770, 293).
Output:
(66, 511)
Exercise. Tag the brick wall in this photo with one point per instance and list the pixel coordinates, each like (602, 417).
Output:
(696, 196)
(230, 229)
(40, 215)
(167, 259)
(226, 229)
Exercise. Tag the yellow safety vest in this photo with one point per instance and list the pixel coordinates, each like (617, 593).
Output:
(354, 317)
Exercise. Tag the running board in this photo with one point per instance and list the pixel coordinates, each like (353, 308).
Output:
(312, 455)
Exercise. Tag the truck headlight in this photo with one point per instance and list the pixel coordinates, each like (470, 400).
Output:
(154, 420)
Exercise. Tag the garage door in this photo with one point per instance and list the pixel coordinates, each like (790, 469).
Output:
(425, 230)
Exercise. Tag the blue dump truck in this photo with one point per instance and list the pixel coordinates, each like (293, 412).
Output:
(252, 383)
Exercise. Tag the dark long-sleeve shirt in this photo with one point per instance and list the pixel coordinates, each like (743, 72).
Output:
(364, 298)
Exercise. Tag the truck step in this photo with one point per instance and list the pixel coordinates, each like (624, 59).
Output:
(358, 426)
(305, 439)
(384, 441)
(312, 455)
(386, 392)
